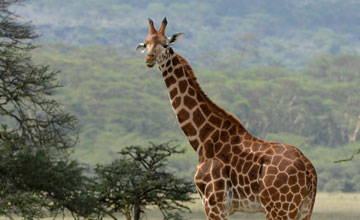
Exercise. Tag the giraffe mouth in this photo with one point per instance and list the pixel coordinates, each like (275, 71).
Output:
(150, 65)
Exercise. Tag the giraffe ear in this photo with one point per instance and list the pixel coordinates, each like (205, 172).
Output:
(175, 37)
(141, 47)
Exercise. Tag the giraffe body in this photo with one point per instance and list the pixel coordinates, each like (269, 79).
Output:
(236, 171)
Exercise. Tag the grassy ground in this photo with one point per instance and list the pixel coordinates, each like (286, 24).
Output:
(328, 206)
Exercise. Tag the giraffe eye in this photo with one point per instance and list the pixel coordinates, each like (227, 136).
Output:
(165, 45)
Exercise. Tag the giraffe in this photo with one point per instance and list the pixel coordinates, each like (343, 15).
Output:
(236, 171)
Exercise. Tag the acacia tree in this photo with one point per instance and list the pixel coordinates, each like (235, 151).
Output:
(139, 179)
(37, 178)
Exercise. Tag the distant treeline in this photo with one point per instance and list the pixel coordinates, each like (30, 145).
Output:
(278, 32)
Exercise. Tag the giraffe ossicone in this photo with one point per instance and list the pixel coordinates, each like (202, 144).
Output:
(236, 170)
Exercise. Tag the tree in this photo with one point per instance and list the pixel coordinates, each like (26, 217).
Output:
(37, 178)
(139, 179)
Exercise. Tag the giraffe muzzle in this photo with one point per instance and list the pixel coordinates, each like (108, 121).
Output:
(150, 63)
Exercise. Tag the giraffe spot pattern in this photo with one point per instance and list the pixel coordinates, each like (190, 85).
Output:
(249, 171)
(183, 115)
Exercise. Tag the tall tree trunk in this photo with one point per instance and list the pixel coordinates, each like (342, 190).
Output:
(356, 131)
(137, 211)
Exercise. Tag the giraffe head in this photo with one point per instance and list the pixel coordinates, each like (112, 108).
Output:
(156, 43)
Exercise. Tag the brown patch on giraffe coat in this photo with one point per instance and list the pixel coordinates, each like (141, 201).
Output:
(168, 63)
(224, 155)
(299, 164)
(219, 185)
(183, 85)
(233, 177)
(247, 166)
(284, 189)
(250, 157)
(191, 83)
(189, 102)
(208, 189)
(205, 109)
(247, 190)
(202, 170)
(240, 165)
(165, 73)
(226, 171)
(241, 192)
(169, 81)
(191, 91)
(188, 129)
(302, 180)
(234, 161)
(278, 149)
(226, 124)
(216, 170)
(209, 149)
(232, 130)
(199, 97)
(285, 206)
(291, 154)
(207, 177)
(241, 180)
(292, 180)
(247, 135)
(271, 170)
(198, 117)
(276, 160)
(224, 136)
(235, 139)
(264, 147)
(183, 115)
(256, 146)
(254, 187)
(215, 136)
(284, 164)
(173, 93)
(236, 149)
(175, 61)
(218, 147)
(170, 69)
(280, 180)
(254, 172)
(293, 214)
(179, 72)
(176, 102)
(194, 144)
(295, 188)
(205, 131)
(215, 121)
(201, 187)
(247, 143)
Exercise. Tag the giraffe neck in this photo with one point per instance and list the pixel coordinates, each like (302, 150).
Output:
(206, 125)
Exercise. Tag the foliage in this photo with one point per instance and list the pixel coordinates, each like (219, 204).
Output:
(139, 179)
(37, 178)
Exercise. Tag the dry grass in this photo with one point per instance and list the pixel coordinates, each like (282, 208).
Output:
(328, 206)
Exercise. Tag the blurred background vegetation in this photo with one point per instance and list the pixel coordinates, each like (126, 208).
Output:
(290, 70)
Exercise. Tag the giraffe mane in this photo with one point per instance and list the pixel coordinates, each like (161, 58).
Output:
(216, 108)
